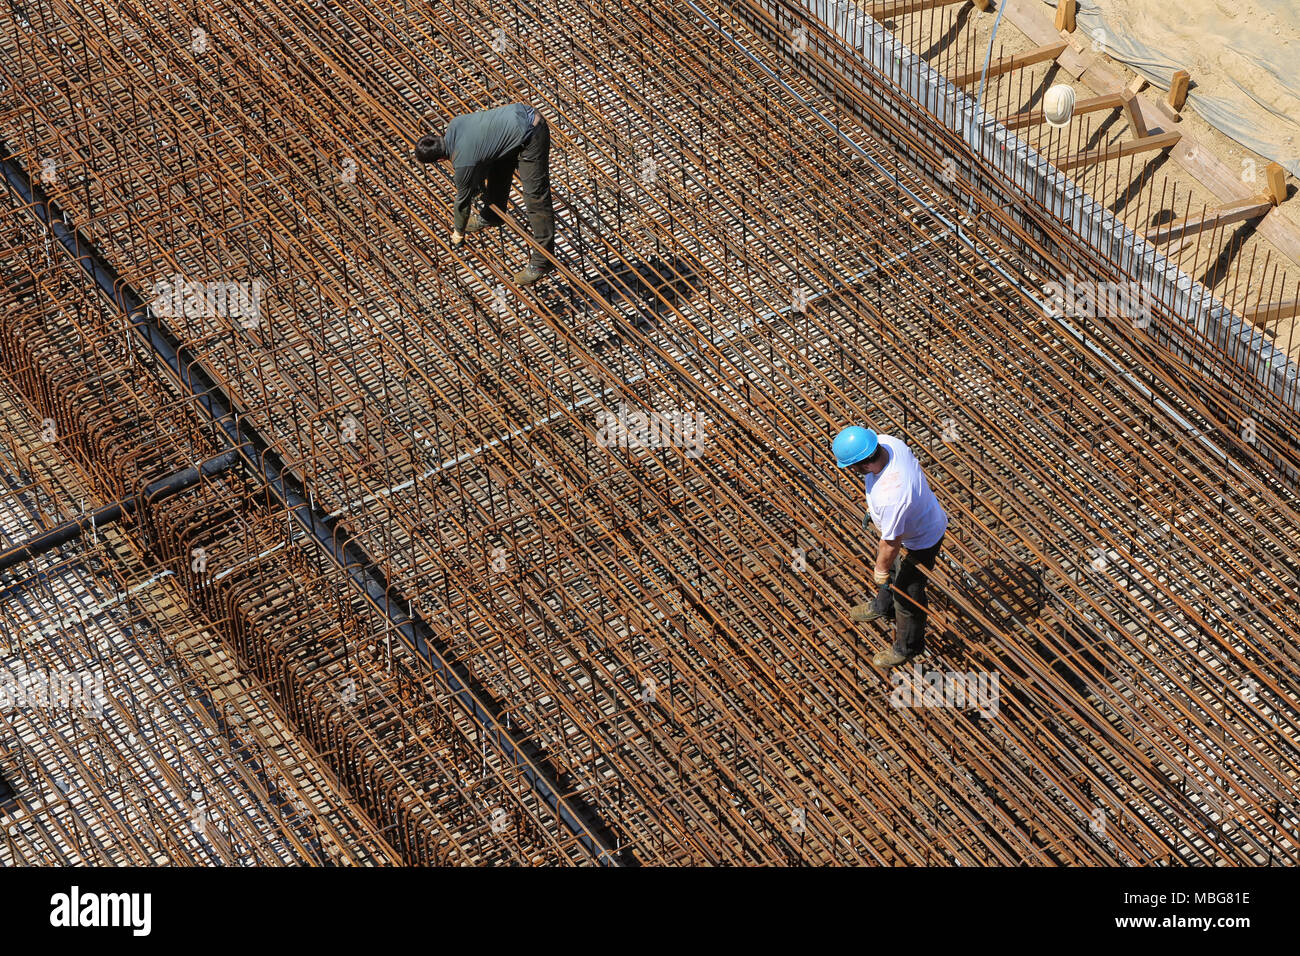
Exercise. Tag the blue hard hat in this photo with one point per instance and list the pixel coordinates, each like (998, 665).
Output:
(853, 444)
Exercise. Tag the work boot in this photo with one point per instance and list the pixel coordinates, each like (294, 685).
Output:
(862, 613)
(526, 277)
(889, 658)
(477, 224)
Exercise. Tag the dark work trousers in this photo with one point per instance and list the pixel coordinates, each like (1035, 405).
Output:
(533, 161)
(908, 611)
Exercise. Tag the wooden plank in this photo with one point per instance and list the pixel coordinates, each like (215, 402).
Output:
(1276, 177)
(1006, 64)
(1212, 218)
(1134, 112)
(901, 8)
(1177, 96)
(1031, 20)
(1093, 103)
(1127, 148)
(1065, 11)
(1265, 313)
(1207, 168)
(1227, 184)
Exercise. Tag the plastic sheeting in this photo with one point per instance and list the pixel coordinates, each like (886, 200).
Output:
(1241, 57)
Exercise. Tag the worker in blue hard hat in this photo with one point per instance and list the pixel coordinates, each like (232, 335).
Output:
(912, 524)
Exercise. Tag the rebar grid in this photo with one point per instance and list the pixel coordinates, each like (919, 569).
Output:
(668, 629)
(150, 747)
(340, 680)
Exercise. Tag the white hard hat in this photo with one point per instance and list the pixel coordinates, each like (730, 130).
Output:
(1058, 105)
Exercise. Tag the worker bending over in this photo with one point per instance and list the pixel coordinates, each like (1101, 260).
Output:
(485, 149)
(912, 524)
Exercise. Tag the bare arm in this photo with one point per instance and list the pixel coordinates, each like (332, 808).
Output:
(886, 554)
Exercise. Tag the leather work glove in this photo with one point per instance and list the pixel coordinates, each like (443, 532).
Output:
(880, 577)
(457, 240)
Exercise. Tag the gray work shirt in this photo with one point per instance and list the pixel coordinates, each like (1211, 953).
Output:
(475, 141)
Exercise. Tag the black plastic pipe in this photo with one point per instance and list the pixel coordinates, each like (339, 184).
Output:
(107, 514)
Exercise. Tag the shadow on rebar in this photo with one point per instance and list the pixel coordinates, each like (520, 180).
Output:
(640, 293)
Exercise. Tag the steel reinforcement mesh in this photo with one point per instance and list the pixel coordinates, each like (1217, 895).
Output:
(647, 625)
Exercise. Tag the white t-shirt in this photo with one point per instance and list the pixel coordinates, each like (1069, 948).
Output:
(901, 502)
